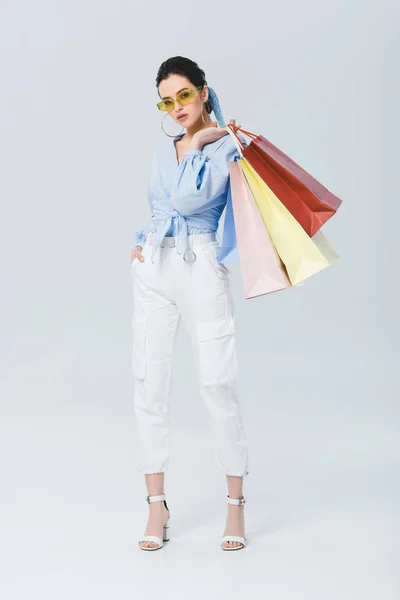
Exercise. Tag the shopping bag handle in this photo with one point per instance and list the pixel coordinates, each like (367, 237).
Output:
(232, 130)
(236, 141)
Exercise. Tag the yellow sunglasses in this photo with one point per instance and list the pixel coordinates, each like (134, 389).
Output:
(184, 97)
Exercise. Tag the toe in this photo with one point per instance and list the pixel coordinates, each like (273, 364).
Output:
(231, 544)
(148, 544)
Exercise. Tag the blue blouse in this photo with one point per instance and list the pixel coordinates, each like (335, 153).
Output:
(189, 197)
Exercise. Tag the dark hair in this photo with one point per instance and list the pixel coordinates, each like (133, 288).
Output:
(179, 65)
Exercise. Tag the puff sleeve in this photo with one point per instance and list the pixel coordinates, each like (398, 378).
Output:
(202, 179)
(140, 234)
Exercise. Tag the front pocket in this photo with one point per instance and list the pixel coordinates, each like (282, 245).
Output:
(136, 259)
(139, 327)
(210, 253)
(217, 351)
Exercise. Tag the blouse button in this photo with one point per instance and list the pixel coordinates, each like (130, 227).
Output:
(174, 213)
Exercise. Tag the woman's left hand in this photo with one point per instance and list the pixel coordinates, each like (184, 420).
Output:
(209, 135)
(233, 122)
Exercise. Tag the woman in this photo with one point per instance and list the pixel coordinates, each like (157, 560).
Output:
(176, 274)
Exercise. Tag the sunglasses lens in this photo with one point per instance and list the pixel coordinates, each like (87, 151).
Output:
(166, 105)
(185, 97)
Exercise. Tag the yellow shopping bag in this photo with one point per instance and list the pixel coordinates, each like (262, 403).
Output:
(302, 255)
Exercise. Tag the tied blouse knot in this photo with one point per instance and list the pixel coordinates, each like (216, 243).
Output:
(189, 197)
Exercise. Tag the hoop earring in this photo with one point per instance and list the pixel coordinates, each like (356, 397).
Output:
(171, 136)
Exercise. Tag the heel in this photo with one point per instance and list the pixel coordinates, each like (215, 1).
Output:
(166, 531)
(234, 538)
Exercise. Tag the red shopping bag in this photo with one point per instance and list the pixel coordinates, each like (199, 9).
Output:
(307, 199)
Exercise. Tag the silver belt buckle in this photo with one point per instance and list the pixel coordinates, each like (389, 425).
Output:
(189, 256)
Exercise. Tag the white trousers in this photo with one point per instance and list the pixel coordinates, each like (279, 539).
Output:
(164, 291)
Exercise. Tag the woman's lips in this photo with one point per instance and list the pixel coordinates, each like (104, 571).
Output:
(182, 117)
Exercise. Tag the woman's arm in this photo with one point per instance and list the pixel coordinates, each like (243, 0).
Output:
(203, 179)
(140, 234)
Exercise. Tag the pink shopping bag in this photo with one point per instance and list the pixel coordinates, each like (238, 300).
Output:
(262, 270)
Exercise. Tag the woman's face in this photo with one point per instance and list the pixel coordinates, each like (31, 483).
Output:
(171, 87)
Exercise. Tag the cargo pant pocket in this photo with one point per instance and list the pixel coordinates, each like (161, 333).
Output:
(217, 351)
(139, 327)
(211, 254)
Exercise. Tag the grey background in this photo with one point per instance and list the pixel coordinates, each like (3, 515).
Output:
(318, 363)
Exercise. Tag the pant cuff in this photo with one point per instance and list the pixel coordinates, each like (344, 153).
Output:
(242, 474)
(152, 471)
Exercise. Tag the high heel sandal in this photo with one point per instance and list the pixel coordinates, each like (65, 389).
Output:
(234, 538)
(166, 526)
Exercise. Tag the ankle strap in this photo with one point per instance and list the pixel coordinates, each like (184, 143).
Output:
(237, 501)
(155, 498)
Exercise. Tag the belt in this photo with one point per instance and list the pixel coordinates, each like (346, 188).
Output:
(171, 241)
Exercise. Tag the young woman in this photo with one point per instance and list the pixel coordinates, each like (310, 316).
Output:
(176, 274)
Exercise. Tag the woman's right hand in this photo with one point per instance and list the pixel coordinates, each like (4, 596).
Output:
(137, 253)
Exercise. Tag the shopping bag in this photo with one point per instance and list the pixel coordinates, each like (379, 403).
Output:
(307, 199)
(301, 256)
(262, 270)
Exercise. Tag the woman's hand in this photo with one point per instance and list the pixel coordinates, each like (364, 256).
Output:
(233, 122)
(137, 253)
(209, 135)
